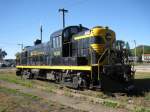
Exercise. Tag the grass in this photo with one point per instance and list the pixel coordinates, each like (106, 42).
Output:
(17, 80)
(140, 63)
(147, 96)
(13, 100)
(107, 100)
(110, 104)
(51, 88)
(7, 104)
(142, 75)
(16, 92)
(141, 109)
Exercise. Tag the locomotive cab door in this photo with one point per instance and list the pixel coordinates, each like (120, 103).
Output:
(66, 44)
(67, 40)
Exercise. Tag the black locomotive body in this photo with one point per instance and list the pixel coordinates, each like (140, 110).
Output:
(78, 57)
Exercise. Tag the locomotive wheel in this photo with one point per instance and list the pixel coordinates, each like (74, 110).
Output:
(57, 79)
(26, 75)
(76, 82)
(18, 72)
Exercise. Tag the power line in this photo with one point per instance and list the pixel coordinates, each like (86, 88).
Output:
(135, 50)
(21, 46)
(72, 5)
(7, 44)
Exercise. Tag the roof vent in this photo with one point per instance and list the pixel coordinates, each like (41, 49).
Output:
(37, 42)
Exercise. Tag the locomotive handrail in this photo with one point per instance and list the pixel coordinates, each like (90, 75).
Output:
(91, 61)
(100, 60)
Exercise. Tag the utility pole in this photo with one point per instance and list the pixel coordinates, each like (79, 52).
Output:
(41, 30)
(63, 12)
(143, 50)
(21, 51)
(21, 46)
(135, 51)
(143, 54)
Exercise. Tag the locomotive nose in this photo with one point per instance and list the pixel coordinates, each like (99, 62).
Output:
(98, 48)
(102, 38)
(97, 41)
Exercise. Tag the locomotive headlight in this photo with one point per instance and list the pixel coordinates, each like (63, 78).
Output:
(108, 36)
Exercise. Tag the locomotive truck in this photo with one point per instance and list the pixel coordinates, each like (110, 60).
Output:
(78, 57)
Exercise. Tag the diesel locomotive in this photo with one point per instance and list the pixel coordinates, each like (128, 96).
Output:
(78, 57)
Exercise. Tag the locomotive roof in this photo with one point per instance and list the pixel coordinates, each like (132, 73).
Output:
(30, 48)
(59, 32)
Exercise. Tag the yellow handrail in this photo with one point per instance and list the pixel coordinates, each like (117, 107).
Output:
(99, 62)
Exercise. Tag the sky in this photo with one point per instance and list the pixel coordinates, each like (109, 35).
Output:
(20, 20)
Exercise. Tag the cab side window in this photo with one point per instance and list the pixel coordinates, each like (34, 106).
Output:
(57, 42)
(54, 44)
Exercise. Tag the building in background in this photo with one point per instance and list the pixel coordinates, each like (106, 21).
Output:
(146, 57)
(133, 58)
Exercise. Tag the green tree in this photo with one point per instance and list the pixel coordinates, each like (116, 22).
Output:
(2, 54)
(128, 48)
(120, 44)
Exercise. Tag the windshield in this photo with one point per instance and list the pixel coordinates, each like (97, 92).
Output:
(97, 40)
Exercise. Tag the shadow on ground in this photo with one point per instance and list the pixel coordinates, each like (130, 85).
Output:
(139, 87)
(142, 86)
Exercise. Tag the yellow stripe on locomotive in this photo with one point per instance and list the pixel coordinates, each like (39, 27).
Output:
(99, 48)
(100, 39)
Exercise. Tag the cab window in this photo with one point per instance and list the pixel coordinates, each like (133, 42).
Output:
(98, 40)
(57, 42)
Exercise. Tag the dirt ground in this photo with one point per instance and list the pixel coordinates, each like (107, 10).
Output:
(16, 102)
(76, 104)
(41, 96)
